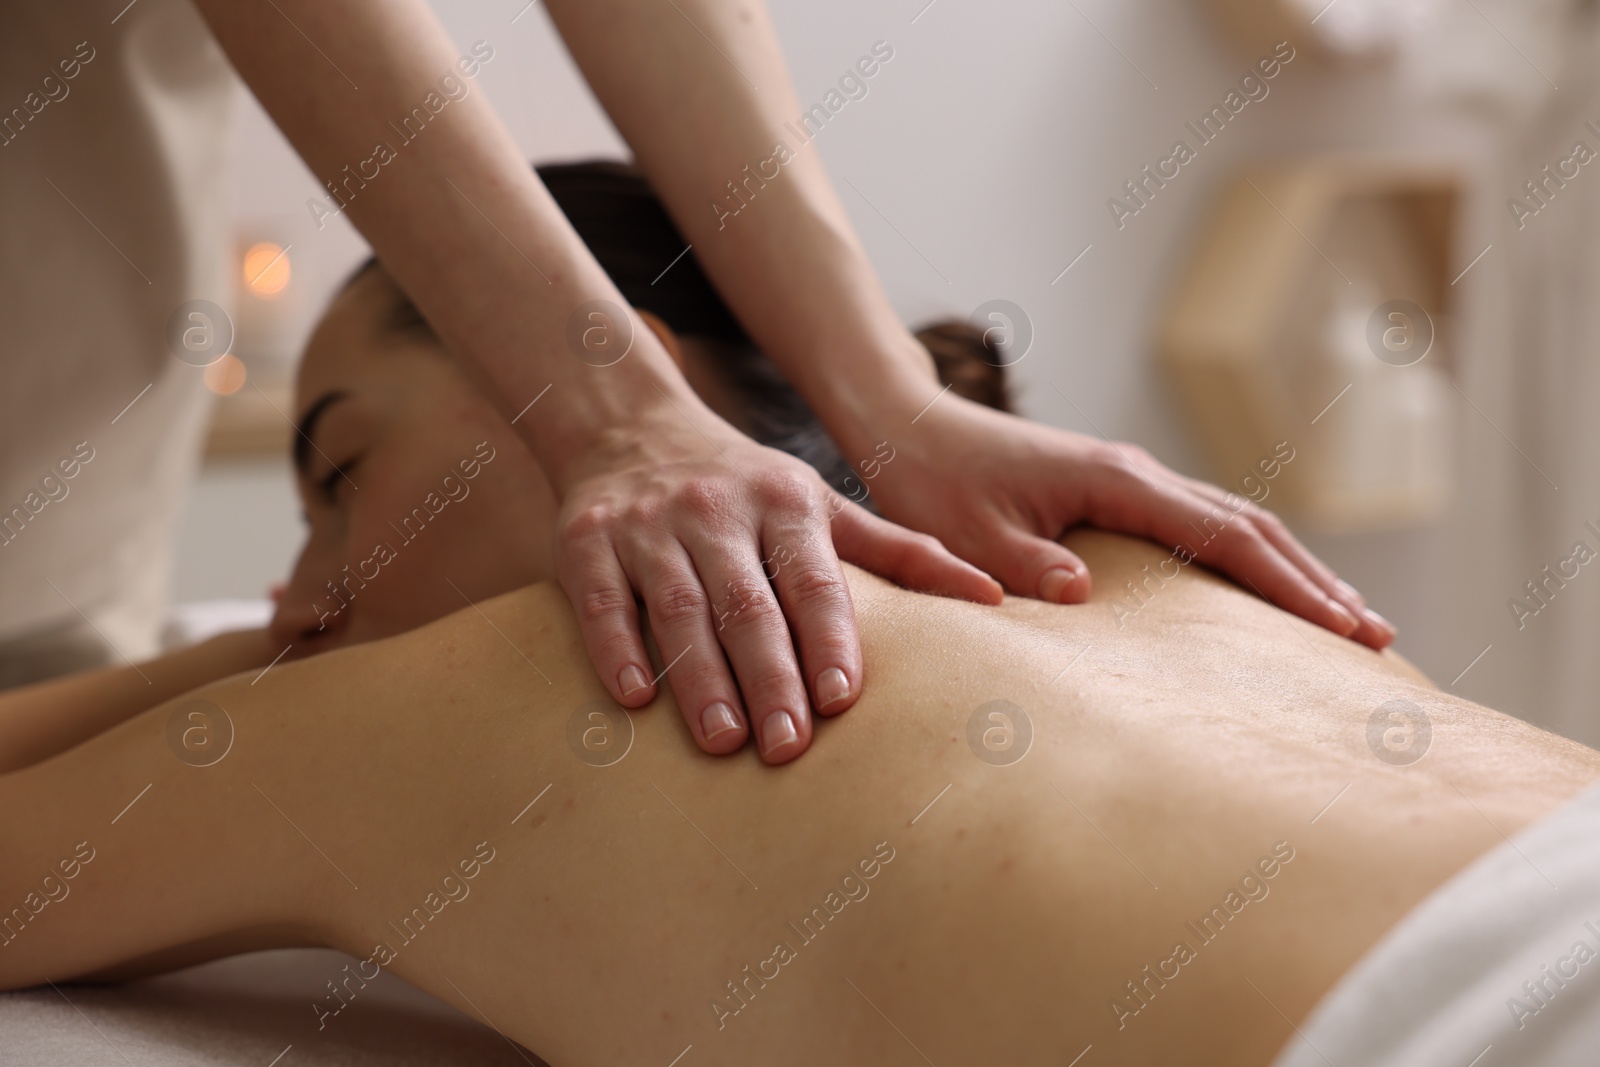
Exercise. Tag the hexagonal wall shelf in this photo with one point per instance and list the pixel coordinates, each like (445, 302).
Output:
(1342, 31)
(1313, 314)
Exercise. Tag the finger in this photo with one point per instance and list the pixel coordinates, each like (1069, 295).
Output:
(749, 622)
(1314, 568)
(1242, 551)
(1375, 631)
(914, 560)
(608, 619)
(1035, 566)
(1164, 509)
(693, 664)
(804, 571)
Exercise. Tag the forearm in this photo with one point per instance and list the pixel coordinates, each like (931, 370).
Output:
(781, 249)
(38, 721)
(426, 170)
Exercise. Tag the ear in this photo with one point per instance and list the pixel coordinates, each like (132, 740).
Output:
(664, 334)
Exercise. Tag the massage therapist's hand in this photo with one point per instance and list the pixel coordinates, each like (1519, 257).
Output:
(999, 490)
(735, 550)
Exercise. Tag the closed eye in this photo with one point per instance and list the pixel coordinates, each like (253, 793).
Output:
(328, 487)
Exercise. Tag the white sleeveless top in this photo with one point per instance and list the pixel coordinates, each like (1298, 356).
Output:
(113, 196)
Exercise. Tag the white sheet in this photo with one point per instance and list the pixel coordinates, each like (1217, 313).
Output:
(1445, 987)
(245, 1011)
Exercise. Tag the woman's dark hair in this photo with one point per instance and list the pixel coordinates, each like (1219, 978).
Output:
(629, 233)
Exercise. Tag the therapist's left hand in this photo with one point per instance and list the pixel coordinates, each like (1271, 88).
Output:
(999, 491)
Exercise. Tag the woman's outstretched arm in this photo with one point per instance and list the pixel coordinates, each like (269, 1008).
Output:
(118, 849)
(301, 807)
(38, 721)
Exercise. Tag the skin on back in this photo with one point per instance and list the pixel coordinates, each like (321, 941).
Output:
(428, 803)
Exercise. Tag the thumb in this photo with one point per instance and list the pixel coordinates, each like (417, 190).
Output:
(1033, 566)
(914, 560)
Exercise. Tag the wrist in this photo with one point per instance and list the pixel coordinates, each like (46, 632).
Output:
(668, 423)
(877, 394)
(599, 416)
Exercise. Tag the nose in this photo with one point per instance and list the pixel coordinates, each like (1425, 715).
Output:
(308, 622)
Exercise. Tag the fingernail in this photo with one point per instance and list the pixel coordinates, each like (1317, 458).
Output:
(832, 687)
(1350, 591)
(718, 719)
(1379, 621)
(1054, 582)
(631, 679)
(1347, 622)
(778, 731)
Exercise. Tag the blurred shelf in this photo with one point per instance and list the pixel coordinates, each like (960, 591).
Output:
(1344, 31)
(1291, 253)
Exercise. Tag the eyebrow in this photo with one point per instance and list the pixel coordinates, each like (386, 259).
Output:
(307, 426)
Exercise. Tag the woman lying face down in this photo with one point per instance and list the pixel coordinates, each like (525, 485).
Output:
(1039, 831)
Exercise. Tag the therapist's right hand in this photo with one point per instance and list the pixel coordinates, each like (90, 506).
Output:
(734, 549)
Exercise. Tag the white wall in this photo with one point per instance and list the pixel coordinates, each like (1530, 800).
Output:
(992, 142)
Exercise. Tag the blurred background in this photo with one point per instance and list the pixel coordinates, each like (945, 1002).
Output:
(1443, 459)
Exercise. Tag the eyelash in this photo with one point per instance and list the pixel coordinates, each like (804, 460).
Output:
(329, 486)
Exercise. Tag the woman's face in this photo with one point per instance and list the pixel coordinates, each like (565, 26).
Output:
(419, 495)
